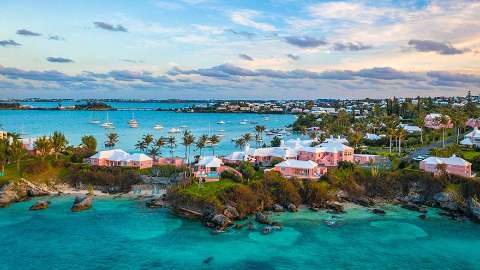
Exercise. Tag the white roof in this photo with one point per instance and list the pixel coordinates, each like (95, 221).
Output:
(281, 152)
(372, 137)
(336, 140)
(453, 160)
(139, 157)
(329, 147)
(466, 141)
(114, 154)
(210, 161)
(297, 143)
(475, 133)
(236, 156)
(297, 164)
(410, 129)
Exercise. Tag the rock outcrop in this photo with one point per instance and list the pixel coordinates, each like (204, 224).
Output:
(378, 211)
(156, 203)
(82, 203)
(277, 208)
(231, 212)
(292, 207)
(474, 208)
(221, 221)
(262, 218)
(40, 205)
(21, 190)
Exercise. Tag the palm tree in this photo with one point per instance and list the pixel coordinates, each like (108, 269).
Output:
(159, 143)
(147, 140)
(112, 139)
(459, 120)
(172, 143)
(214, 140)
(17, 152)
(89, 142)
(401, 134)
(444, 121)
(202, 143)
(391, 124)
(59, 143)
(3, 154)
(187, 140)
(259, 129)
(153, 152)
(420, 122)
(141, 146)
(43, 146)
(240, 142)
(247, 137)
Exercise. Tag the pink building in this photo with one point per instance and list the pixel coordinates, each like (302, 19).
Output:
(176, 161)
(473, 122)
(434, 120)
(453, 165)
(300, 169)
(209, 168)
(327, 154)
(118, 157)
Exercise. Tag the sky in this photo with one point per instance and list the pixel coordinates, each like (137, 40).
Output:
(238, 49)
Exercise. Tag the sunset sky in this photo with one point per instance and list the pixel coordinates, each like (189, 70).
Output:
(212, 49)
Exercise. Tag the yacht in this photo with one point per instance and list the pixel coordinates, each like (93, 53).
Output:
(243, 122)
(158, 127)
(221, 122)
(107, 123)
(94, 120)
(266, 118)
(221, 130)
(174, 130)
(133, 122)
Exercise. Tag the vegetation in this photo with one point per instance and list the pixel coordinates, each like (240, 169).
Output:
(94, 106)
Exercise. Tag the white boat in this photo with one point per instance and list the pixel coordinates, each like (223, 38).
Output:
(183, 127)
(221, 135)
(221, 122)
(174, 130)
(107, 123)
(243, 122)
(158, 127)
(221, 130)
(133, 122)
(266, 118)
(94, 120)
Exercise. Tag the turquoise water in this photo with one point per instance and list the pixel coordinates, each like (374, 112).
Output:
(74, 124)
(123, 234)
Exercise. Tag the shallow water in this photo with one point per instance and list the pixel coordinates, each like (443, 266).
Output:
(123, 234)
(75, 124)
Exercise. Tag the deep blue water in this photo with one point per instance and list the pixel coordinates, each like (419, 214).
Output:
(74, 124)
(123, 234)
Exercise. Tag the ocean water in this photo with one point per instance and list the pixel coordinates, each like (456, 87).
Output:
(75, 124)
(124, 234)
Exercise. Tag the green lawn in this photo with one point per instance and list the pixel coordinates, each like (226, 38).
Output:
(209, 189)
(470, 154)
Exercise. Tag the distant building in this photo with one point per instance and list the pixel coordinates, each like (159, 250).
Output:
(434, 121)
(372, 137)
(209, 168)
(120, 158)
(472, 138)
(327, 154)
(3, 135)
(300, 169)
(453, 165)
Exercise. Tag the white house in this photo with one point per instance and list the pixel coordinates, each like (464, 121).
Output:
(472, 138)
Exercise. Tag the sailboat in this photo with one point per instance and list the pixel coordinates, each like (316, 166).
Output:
(132, 122)
(158, 127)
(107, 124)
(94, 120)
(221, 122)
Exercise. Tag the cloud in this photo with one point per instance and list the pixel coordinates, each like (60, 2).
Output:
(245, 34)
(132, 61)
(245, 57)
(6, 43)
(293, 56)
(305, 41)
(434, 46)
(56, 37)
(110, 27)
(48, 76)
(246, 18)
(59, 60)
(25, 32)
(387, 73)
(351, 46)
(144, 76)
(443, 76)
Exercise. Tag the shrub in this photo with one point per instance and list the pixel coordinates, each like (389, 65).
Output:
(35, 167)
(229, 174)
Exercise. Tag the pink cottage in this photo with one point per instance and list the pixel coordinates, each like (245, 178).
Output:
(327, 154)
(300, 169)
(453, 165)
(434, 120)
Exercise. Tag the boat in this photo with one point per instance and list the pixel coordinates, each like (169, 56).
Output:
(174, 130)
(266, 118)
(221, 122)
(133, 122)
(107, 123)
(158, 127)
(94, 120)
(243, 122)
(183, 127)
(221, 130)
(221, 135)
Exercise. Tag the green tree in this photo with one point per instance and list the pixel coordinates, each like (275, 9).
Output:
(276, 141)
(112, 139)
(59, 143)
(89, 142)
(43, 146)
(201, 143)
(159, 143)
(172, 144)
(153, 152)
(3, 154)
(147, 140)
(240, 142)
(17, 152)
(187, 140)
(214, 141)
(141, 146)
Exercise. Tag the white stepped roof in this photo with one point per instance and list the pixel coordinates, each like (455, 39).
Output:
(372, 137)
(297, 164)
(139, 157)
(114, 155)
(466, 141)
(238, 156)
(475, 133)
(210, 161)
(453, 160)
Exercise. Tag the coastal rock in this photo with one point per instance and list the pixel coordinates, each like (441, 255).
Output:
(276, 224)
(39, 205)
(231, 212)
(267, 230)
(208, 260)
(414, 207)
(334, 207)
(446, 200)
(365, 202)
(261, 218)
(82, 203)
(7, 194)
(292, 207)
(238, 226)
(278, 208)
(422, 216)
(221, 221)
(378, 211)
(156, 203)
(474, 208)
(251, 227)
